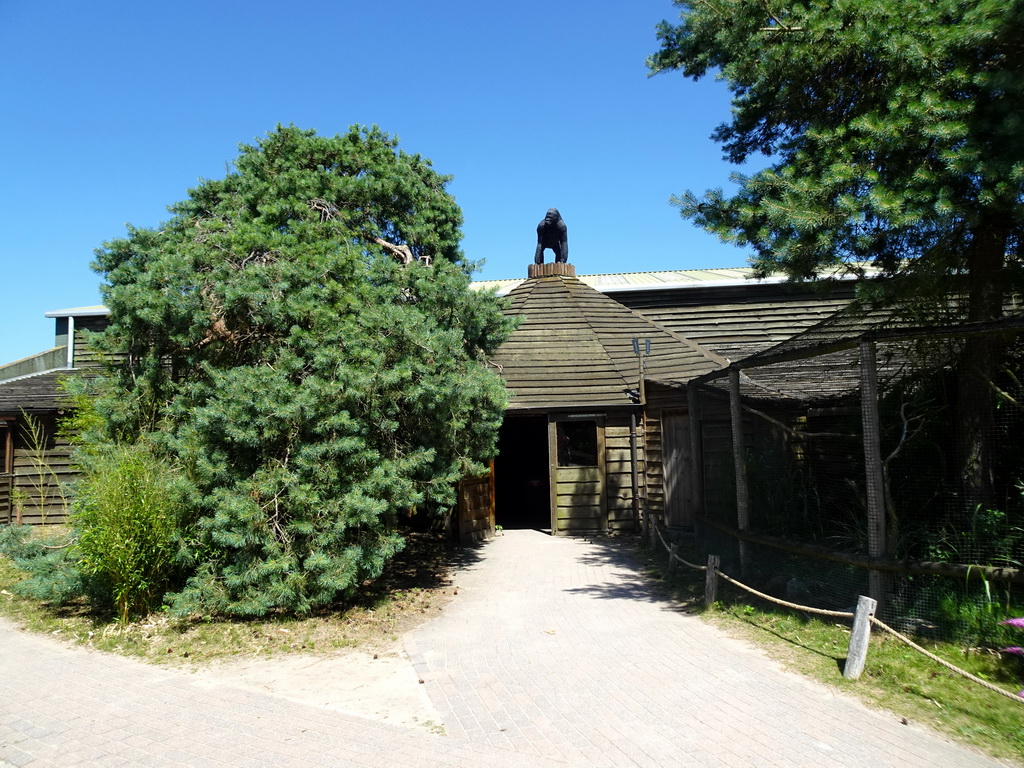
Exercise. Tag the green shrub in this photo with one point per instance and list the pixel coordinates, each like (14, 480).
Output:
(48, 561)
(127, 518)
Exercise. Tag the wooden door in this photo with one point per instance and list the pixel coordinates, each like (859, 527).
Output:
(576, 453)
(675, 427)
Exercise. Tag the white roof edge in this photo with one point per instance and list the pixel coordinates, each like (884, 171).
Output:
(94, 311)
(36, 373)
(615, 287)
(667, 286)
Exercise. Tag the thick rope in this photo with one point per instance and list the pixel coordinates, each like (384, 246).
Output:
(689, 564)
(657, 530)
(668, 549)
(795, 606)
(883, 626)
(847, 615)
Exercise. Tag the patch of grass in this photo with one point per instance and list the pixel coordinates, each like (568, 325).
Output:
(896, 677)
(412, 590)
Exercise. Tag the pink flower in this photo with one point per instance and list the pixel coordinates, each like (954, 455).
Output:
(1015, 649)
(1014, 622)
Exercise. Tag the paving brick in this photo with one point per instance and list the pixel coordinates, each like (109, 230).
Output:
(586, 655)
(556, 641)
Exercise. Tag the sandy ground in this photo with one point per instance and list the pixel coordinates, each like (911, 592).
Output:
(381, 685)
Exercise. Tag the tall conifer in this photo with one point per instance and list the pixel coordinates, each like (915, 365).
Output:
(301, 339)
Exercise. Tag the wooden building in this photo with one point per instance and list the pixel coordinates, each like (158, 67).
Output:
(570, 459)
(585, 416)
(35, 465)
(574, 376)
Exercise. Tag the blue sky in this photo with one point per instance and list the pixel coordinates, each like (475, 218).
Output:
(114, 109)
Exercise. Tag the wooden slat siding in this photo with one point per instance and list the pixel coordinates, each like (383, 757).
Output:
(39, 495)
(6, 509)
(572, 518)
(476, 508)
(42, 493)
(574, 347)
(618, 472)
(676, 468)
(739, 319)
(85, 355)
(658, 398)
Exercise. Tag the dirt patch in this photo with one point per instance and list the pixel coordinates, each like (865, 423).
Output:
(352, 661)
(381, 685)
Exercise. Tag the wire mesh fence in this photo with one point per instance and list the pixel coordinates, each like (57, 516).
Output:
(950, 462)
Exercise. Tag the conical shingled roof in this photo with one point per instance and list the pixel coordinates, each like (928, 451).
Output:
(574, 347)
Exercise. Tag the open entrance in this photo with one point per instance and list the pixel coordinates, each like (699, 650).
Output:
(521, 486)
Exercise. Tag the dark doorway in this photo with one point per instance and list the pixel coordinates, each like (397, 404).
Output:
(521, 487)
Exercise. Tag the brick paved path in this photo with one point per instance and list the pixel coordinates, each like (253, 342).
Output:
(555, 647)
(64, 706)
(552, 654)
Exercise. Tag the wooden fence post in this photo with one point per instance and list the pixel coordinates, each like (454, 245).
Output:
(739, 459)
(672, 549)
(859, 636)
(874, 478)
(711, 581)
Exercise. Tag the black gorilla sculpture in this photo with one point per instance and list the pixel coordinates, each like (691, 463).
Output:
(551, 234)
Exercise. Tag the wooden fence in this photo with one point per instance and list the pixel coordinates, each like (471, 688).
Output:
(474, 518)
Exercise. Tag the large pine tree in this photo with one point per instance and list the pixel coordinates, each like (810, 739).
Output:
(301, 340)
(895, 132)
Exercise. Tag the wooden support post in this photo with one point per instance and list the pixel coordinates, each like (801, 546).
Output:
(739, 459)
(672, 550)
(635, 475)
(874, 479)
(696, 453)
(858, 652)
(711, 581)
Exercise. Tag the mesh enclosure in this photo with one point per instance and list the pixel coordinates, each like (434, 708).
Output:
(951, 468)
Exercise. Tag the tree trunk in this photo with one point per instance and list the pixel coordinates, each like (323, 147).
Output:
(979, 361)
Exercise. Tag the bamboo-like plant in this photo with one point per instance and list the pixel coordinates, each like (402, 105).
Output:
(42, 478)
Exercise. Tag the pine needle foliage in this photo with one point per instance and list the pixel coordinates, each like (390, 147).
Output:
(894, 131)
(312, 388)
(895, 137)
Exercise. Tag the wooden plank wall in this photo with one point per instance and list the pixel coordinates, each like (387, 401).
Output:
(618, 471)
(39, 492)
(659, 398)
(85, 357)
(6, 512)
(476, 508)
(579, 506)
(678, 468)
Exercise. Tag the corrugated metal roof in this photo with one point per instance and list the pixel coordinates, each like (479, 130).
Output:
(624, 281)
(668, 279)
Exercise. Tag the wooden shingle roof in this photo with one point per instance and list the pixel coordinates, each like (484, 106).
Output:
(35, 392)
(741, 320)
(574, 347)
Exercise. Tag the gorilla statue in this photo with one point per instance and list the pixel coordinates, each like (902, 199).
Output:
(551, 234)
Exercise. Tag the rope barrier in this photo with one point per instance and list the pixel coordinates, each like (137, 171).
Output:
(661, 538)
(952, 667)
(848, 615)
(668, 549)
(795, 606)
